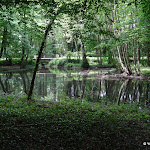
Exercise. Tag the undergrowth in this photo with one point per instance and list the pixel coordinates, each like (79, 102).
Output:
(71, 124)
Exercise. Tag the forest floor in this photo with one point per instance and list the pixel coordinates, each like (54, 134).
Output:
(71, 125)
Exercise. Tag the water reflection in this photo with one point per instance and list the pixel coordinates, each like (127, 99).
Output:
(14, 82)
(79, 85)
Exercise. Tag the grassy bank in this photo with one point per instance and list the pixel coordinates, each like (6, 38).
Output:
(71, 125)
(74, 62)
(77, 63)
(15, 65)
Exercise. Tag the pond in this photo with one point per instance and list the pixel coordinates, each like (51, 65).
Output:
(87, 84)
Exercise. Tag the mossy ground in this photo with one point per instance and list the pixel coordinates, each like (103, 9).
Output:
(71, 125)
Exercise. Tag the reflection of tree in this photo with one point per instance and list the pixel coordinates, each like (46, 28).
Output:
(42, 85)
(93, 89)
(45, 85)
(54, 85)
(25, 80)
(126, 91)
(16, 83)
(147, 94)
(6, 86)
(79, 87)
(2, 85)
(112, 89)
(75, 88)
(100, 89)
(39, 87)
(68, 88)
(123, 90)
(83, 85)
(135, 96)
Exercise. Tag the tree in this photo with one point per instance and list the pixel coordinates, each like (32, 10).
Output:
(53, 14)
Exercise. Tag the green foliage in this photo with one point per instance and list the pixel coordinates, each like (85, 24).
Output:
(58, 62)
(92, 61)
(70, 124)
(145, 70)
(15, 61)
(65, 62)
(73, 60)
(69, 54)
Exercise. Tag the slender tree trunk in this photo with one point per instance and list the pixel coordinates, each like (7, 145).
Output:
(128, 60)
(23, 44)
(99, 61)
(53, 45)
(120, 60)
(3, 44)
(138, 58)
(38, 59)
(23, 56)
(135, 57)
(77, 50)
(85, 63)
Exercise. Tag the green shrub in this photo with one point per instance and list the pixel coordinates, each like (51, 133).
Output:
(76, 61)
(15, 61)
(69, 54)
(70, 65)
(61, 62)
(31, 62)
(64, 62)
(58, 62)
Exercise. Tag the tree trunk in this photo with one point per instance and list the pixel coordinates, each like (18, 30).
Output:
(135, 57)
(138, 58)
(99, 61)
(85, 63)
(23, 43)
(120, 60)
(128, 60)
(38, 59)
(76, 47)
(3, 44)
(23, 56)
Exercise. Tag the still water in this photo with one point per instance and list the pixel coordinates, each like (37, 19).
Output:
(91, 86)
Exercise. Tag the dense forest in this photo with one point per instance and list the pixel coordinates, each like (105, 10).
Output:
(102, 102)
(118, 30)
